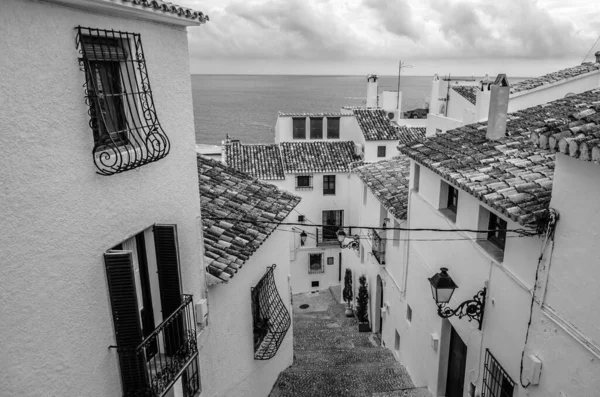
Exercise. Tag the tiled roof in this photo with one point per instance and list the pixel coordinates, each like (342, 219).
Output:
(171, 8)
(513, 175)
(261, 161)
(318, 156)
(283, 114)
(388, 181)
(228, 193)
(553, 77)
(375, 124)
(410, 134)
(469, 92)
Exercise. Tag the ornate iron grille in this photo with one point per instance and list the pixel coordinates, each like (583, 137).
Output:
(378, 247)
(271, 319)
(496, 382)
(126, 130)
(168, 353)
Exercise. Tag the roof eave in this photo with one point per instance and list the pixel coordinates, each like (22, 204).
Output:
(555, 84)
(131, 10)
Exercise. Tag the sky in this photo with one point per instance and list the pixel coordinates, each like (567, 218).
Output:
(357, 37)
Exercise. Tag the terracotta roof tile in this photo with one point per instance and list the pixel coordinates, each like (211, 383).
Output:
(410, 134)
(228, 193)
(171, 8)
(467, 91)
(388, 181)
(514, 174)
(318, 156)
(376, 126)
(554, 77)
(261, 161)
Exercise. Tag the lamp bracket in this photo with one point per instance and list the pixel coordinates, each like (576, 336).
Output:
(472, 308)
(354, 242)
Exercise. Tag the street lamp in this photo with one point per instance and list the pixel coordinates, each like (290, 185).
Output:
(442, 288)
(303, 237)
(353, 243)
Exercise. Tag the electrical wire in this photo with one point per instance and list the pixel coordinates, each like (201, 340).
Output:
(594, 45)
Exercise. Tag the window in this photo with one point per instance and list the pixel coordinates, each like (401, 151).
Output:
(328, 184)
(333, 221)
(452, 201)
(316, 128)
(408, 313)
(498, 235)
(304, 182)
(330, 260)
(140, 288)
(299, 128)
(314, 284)
(333, 128)
(448, 201)
(380, 151)
(126, 131)
(315, 263)
(496, 382)
(416, 177)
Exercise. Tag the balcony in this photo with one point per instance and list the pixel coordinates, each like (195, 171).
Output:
(327, 236)
(167, 354)
(378, 247)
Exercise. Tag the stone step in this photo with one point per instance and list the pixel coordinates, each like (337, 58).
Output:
(320, 359)
(411, 392)
(355, 381)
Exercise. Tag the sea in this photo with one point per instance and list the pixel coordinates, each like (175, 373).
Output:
(246, 107)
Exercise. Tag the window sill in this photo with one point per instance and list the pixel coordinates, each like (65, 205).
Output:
(448, 213)
(328, 194)
(304, 188)
(496, 253)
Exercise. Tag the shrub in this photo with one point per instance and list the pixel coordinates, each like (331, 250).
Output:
(347, 293)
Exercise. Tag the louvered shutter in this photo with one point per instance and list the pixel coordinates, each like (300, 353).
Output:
(167, 261)
(123, 298)
(103, 48)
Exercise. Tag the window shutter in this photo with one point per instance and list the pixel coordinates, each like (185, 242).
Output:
(167, 262)
(123, 298)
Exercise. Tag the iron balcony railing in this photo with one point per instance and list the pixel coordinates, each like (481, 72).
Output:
(378, 247)
(167, 354)
(327, 236)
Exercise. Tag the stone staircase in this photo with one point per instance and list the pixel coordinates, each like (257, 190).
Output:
(331, 358)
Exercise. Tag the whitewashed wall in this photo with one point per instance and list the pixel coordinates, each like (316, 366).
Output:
(227, 363)
(391, 150)
(59, 216)
(349, 130)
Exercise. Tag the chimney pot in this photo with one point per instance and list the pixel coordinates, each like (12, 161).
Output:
(597, 55)
(500, 91)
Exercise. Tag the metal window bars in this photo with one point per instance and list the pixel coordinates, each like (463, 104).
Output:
(170, 352)
(315, 263)
(271, 319)
(377, 246)
(496, 382)
(126, 129)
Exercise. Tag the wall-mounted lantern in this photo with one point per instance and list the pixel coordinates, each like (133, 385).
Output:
(353, 241)
(303, 237)
(442, 288)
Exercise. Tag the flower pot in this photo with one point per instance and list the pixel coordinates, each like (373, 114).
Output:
(349, 312)
(364, 327)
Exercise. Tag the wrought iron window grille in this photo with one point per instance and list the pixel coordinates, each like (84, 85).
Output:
(127, 132)
(377, 246)
(496, 382)
(315, 263)
(271, 319)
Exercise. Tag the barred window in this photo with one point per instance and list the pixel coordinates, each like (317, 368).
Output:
(315, 263)
(496, 382)
(126, 130)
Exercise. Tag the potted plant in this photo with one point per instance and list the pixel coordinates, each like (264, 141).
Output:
(347, 293)
(362, 300)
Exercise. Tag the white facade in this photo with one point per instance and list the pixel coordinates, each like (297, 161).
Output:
(231, 369)
(349, 129)
(60, 216)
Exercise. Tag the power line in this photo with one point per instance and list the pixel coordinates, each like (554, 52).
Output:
(596, 42)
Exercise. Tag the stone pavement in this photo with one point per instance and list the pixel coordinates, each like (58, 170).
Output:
(331, 358)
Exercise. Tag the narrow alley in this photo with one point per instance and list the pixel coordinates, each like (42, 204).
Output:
(331, 358)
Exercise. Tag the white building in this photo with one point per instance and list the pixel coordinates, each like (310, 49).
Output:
(99, 197)
(492, 176)
(454, 103)
(248, 266)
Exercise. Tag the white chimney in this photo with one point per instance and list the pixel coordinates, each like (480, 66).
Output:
(482, 99)
(372, 91)
(597, 55)
(496, 128)
(434, 103)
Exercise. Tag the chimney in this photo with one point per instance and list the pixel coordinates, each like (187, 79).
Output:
(597, 55)
(496, 128)
(434, 103)
(372, 91)
(482, 99)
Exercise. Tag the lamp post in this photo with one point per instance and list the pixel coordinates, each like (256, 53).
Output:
(353, 243)
(442, 288)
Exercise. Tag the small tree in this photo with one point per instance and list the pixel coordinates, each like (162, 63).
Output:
(347, 293)
(362, 300)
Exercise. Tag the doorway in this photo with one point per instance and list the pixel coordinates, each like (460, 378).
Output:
(457, 360)
(379, 302)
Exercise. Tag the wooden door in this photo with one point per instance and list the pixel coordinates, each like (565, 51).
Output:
(457, 361)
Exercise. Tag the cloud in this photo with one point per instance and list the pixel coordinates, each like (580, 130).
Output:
(395, 16)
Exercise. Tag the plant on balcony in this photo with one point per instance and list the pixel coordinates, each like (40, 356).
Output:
(347, 293)
(362, 300)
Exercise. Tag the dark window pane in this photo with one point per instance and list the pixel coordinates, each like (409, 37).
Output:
(329, 184)
(452, 203)
(316, 128)
(497, 233)
(380, 151)
(304, 181)
(299, 125)
(332, 221)
(333, 128)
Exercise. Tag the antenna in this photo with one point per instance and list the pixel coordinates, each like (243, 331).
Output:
(401, 65)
